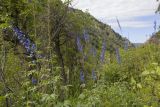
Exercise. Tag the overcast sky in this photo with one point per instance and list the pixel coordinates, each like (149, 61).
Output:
(136, 17)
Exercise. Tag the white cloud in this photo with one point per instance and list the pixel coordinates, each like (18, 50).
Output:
(120, 8)
(125, 10)
(131, 24)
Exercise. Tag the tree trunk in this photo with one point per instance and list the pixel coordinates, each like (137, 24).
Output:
(60, 59)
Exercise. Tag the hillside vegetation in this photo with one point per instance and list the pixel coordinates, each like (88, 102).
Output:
(55, 56)
(155, 38)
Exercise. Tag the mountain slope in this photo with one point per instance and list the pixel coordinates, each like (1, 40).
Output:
(99, 31)
(155, 38)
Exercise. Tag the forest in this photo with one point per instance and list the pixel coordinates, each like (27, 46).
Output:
(52, 55)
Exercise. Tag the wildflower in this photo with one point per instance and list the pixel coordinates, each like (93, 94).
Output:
(119, 25)
(102, 56)
(33, 47)
(34, 81)
(20, 36)
(94, 75)
(155, 25)
(86, 36)
(118, 56)
(82, 76)
(15, 29)
(93, 51)
(126, 45)
(80, 47)
(27, 43)
(29, 46)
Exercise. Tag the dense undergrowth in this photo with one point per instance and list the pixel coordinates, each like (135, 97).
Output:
(133, 83)
(80, 62)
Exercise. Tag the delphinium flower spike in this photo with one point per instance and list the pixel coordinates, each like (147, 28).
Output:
(82, 78)
(80, 48)
(155, 26)
(28, 45)
(126, 45)
(102, 56)
(34, 81)
(93, 51)
(94, 75)
(118, 55)
(86, 36)
(79, 45)
(25, 41)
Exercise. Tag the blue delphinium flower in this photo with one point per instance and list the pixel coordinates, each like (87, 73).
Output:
(94, 75)
(20, 36)
(93, 51)
(86, 36)
(126, 45)
(34, 81)
(26, 42)
(33, 47)
(82, 76)
(155, 26)
(80, 47)
(102, 56)
(118, 55)
(15, 29)
(18, 32)
(28, 45)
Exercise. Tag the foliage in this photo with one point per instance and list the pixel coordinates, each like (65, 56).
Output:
(54, 28)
